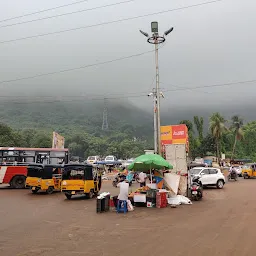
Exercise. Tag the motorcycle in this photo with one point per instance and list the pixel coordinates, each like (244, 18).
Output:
(233, 176)
(196, 189)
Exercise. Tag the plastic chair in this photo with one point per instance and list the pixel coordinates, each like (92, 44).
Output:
(122, 206)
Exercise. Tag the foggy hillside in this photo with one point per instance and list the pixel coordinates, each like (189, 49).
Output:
(88, 114)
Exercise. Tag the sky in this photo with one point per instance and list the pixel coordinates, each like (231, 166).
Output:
(210, 44)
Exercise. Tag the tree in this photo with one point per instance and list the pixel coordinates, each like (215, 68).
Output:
(9, 138)
(199, 123)
(217, 127)
(236, 126)
(189, 124)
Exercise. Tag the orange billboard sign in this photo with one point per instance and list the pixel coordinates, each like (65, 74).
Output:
(57, 141)
(174, 134)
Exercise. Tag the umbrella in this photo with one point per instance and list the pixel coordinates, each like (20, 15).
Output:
(148, 162)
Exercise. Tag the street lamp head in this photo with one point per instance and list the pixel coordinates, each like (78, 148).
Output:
(154, 27)
(144, 33)
(167, 32)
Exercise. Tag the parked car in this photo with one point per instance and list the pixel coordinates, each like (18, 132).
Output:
(110, 159)
(93, 159)
(127, 163)
(237, 168)
(209, 176)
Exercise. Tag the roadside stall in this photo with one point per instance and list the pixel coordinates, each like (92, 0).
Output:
(162, 188)
(153, 194)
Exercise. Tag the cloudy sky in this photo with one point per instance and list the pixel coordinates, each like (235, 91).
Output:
(210, 44)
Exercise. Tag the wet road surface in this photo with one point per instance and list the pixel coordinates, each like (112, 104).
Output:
(49, 225)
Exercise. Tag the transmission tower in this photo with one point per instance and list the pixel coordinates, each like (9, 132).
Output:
(105, 116)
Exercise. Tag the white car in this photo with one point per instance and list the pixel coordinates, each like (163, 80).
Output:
(127, 163)
(110, 159)
(209, 176)
(93, 159)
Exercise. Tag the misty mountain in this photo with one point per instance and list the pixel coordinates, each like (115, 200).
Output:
(65, 116)
(74, 115)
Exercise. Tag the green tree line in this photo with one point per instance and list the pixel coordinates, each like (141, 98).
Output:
(232, 137)
(119, 143)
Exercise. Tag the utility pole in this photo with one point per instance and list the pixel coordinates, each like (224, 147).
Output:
(154, 95)
(156, 40)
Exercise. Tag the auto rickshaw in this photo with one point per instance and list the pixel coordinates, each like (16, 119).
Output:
(249, 171)
(81, 179)
(44, 177)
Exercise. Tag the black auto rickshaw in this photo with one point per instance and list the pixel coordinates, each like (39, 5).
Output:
(81, 179)
(44, 177)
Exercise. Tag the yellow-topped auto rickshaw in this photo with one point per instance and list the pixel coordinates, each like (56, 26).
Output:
(44, 177)
(249, 171)
(81, 179)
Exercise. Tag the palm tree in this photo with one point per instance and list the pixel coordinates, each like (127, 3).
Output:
(236, 126)
(199, 123)
(189, 125)
(217, 127)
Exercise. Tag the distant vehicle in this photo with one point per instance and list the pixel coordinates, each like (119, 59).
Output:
(209, 176)
(208, 162)
(14, 162)
(127, 163)
(110, 159)
(93, 159)
(238, 170)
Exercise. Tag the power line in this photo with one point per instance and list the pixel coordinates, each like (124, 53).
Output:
(68, 13)
(109, 22)
(212, 85)
(138, 95)
(45, 10)
(77, 68)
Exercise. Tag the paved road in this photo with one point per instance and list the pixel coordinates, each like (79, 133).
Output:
(49, 225)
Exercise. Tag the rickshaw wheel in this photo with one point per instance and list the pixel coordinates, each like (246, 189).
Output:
(68, 196)
(49, 190)
(90, 194)
(35, 191)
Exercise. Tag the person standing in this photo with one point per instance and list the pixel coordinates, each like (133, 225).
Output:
(142, 179)
(124, 190)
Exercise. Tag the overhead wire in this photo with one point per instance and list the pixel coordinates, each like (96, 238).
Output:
(45, 10)
(212, 85)
(110, 22)
(138, 95)
(78, 68)
(68, 13)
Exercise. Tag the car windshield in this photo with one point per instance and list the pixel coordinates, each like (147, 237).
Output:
(109, 158)
(91, 158)
(195, 171)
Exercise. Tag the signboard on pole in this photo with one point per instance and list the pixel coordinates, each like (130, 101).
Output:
(174, 134)
(58, 141)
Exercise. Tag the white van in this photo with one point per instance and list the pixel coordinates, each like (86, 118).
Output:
(93, 159)
(110, 159)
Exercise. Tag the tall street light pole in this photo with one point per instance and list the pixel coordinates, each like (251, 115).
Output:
(156, 40)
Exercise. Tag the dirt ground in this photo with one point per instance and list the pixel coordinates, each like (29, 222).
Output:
(49, 225)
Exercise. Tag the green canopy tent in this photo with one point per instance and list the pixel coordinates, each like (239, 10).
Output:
(149, 162)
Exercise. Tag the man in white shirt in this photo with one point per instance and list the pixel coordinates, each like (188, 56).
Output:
(142, 179)
(124, 190)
